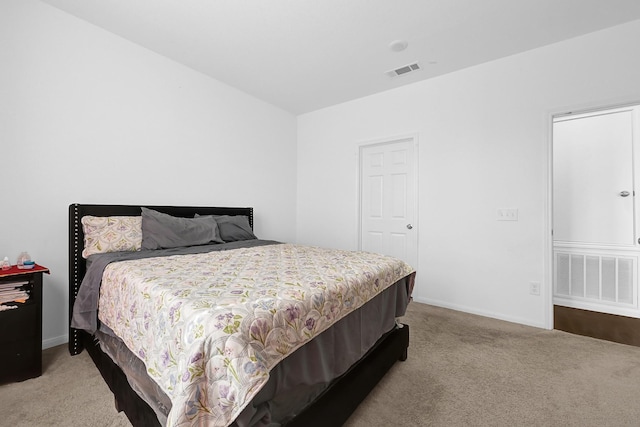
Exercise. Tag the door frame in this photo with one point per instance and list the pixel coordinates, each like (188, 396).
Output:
(548, 258)
(360, 145)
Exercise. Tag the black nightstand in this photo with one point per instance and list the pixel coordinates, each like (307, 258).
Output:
(21, 328)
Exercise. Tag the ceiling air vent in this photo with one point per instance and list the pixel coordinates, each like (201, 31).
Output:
(403, 70)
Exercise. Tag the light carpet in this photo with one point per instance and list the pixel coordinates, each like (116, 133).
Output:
(462, 370)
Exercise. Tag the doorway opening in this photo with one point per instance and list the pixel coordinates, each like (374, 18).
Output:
(595, 242)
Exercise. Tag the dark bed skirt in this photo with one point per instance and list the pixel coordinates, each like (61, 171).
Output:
(337, 403)
(127, 400)
(332, 408)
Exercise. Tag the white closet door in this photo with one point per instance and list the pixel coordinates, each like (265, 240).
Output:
(593, 179)
(388, 200)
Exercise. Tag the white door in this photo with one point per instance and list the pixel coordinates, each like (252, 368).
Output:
(388, 199)
(593, 179)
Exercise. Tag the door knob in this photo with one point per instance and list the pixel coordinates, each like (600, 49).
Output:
(409, 226)
(624, 193)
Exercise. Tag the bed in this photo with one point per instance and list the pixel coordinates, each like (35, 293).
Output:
(313, 369)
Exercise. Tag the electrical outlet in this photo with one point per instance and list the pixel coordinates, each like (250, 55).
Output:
(534, 288)
(507, 215)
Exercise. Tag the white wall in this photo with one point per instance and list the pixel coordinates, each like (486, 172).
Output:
(483, 145)
(88, 117)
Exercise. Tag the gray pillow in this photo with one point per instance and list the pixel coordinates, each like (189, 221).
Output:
(161, 231)
(233, 227)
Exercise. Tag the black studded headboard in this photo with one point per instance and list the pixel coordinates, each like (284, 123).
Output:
(77, 264)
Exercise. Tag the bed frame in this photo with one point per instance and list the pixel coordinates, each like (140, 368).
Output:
(333, 407)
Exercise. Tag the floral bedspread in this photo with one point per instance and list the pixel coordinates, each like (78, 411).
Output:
(209, 327)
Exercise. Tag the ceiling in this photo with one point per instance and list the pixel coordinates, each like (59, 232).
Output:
(303, 55)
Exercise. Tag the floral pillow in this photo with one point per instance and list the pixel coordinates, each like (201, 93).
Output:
(111, 234)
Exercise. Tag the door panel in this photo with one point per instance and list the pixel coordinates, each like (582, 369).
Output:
(388, 202)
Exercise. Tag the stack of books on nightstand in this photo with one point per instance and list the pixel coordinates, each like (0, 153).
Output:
(12, 292)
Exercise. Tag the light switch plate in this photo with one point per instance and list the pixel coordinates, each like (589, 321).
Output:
(534, 288)
(507, 214)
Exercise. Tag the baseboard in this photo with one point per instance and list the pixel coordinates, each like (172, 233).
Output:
(471, 310)
(52, 342)
(609, 327)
